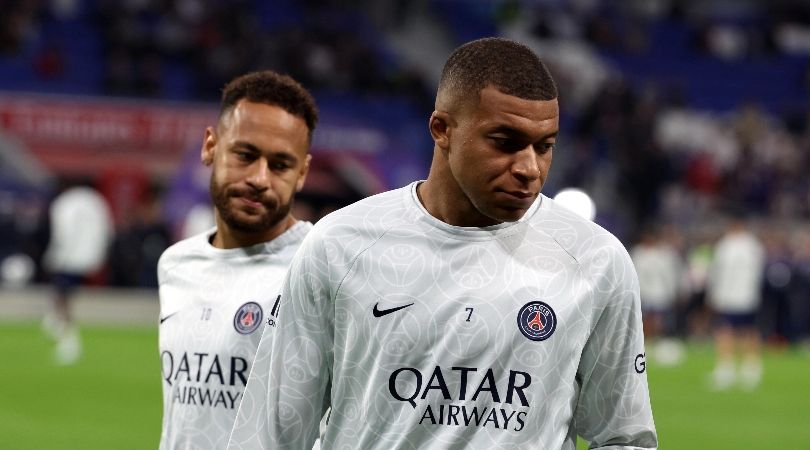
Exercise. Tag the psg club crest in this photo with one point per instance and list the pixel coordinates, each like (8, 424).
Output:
(248, 318)
(537, 321)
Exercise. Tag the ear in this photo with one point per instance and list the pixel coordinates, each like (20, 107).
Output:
(302, 174)
(207, 150)
(439, 126)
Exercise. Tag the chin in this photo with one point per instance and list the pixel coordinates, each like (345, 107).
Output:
(510, 216)
(250, 224)
(247, 227)
(510, 219)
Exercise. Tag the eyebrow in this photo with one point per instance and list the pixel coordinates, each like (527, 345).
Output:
(506, 129)
(247, 145)
(273, 154)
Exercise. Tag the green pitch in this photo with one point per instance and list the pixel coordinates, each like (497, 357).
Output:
(111, 398)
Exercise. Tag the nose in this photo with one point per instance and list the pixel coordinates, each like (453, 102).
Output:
(526, 165)
(259, 176)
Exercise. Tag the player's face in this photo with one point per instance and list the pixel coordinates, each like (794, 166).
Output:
(499, 154)
(259, 155)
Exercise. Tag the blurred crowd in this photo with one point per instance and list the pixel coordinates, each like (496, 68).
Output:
(676, 271)
(188, 49)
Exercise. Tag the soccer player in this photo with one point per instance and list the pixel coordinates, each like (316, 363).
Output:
(81, 231)
(464, 311)
(660, 275)
(734, 293)
(218, 289)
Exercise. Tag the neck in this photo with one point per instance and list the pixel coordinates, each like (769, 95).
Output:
(442, 197)
(228, 238)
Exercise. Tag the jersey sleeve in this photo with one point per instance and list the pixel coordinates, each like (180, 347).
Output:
(613, 410)
(166, 264)
(287, 391)
(162, 270)
(163, 276)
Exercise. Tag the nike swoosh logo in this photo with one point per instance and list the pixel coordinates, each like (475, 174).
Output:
(381, 312)
(163, 319)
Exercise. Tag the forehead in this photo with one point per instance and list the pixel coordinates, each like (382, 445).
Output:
(532, 117)
(260, 121)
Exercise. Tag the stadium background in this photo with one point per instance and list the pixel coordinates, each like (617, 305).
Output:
(675, 114)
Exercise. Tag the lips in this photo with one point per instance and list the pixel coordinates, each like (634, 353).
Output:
(520, 194)
(249, 202)
(519, 199)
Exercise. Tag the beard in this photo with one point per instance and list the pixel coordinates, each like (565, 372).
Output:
(274, 213)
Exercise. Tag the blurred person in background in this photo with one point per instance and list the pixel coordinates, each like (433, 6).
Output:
(775, 311)
(660, 274)
(219, 288)
(139, 243)
(199, 218)
(698, 261)
(81, 231)
(734, 293)
(800, 292)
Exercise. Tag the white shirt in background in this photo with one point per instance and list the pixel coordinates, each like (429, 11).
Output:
(660, 274)
(735, 275)
(81, 231)
(214, 305)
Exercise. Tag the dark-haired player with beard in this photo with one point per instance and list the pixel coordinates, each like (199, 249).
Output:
(466, 311)
(218, 289)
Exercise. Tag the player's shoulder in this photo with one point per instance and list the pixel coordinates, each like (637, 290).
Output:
(176, 252)
(369, 216)
(581, 238)
(337, 238)
(79, 197)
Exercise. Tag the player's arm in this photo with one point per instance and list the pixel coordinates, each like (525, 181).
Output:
(287, 391)
(164, 266)
(613, 411)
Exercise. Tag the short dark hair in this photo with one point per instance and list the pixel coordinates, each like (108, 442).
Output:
(271, 88)
(509, 66)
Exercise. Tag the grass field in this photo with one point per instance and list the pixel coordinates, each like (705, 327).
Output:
(111, 399)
